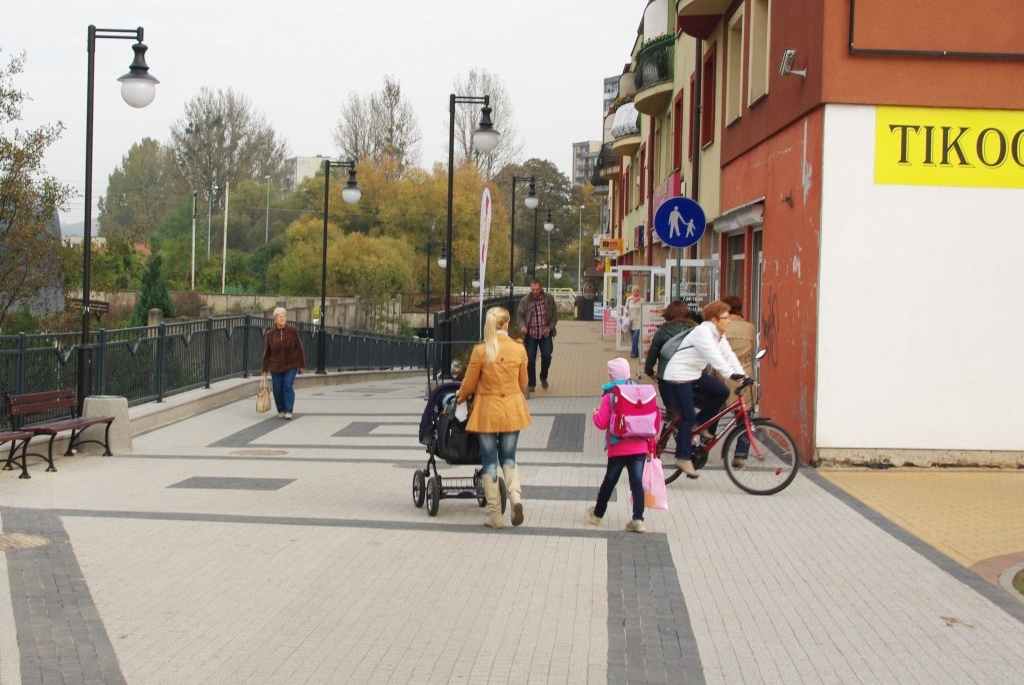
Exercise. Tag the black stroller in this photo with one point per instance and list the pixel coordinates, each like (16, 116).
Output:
(446, 437)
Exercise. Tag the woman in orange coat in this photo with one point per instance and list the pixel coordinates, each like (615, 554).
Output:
(497, 377)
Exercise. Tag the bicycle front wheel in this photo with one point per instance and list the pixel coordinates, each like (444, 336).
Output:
(764, 467)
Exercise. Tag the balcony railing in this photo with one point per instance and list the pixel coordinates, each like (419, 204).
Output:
(654, 62)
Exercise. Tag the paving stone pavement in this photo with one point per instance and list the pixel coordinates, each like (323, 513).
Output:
(233, 547)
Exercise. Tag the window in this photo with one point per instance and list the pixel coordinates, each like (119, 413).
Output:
(753, 307)
(734, 266)
(689, 129)
(757, 76)
(641, 175)
(734, 68)
(707, 87)
(677, 130)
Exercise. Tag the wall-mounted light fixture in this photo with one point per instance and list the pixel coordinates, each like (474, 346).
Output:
(787, 64)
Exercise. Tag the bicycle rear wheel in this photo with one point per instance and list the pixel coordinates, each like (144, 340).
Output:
(767, 466)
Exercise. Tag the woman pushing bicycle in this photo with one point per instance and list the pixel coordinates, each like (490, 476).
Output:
(684, 373)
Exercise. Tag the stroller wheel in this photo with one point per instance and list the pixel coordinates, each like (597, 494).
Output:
(419, 489)
(433, 495)
(478, 486)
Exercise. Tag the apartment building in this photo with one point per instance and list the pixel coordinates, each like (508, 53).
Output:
(859, 164)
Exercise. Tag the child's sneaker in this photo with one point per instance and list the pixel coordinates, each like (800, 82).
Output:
(593, 518)
(635, 526)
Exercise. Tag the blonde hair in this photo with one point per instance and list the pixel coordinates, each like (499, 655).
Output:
(497, 319)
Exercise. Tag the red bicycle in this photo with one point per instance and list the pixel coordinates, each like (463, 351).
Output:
(759, 455)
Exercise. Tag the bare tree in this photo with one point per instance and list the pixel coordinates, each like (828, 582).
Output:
(379, 126)
(354, 133)
(221, 139)
(467, 118)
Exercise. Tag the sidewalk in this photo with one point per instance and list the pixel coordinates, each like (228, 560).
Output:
(233, 547)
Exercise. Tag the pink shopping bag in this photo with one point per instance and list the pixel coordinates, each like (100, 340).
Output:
(655, 493)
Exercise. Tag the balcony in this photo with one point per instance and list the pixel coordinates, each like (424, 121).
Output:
(654, 75)
(691, 8)
(626, 130)
(607, 166)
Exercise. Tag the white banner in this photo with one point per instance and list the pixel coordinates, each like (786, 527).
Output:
(485, 237)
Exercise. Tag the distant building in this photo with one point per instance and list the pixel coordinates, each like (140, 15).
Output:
(297, 169)
(584, 155)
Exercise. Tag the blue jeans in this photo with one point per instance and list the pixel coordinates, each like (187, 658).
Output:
(680, 397)
(494, 448)
(634, 465)
(634, 341)
(546, 346)
(284, 390)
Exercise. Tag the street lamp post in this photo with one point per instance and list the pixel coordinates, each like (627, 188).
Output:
(579, 255)
(266, 231)
(485, 139)
(138, 89)
(209, 218)
(531, 203)
(192, 276)
(549, 226)
(350, 195)
(533, 269)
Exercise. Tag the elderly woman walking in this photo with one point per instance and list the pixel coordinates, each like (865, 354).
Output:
(283, 358)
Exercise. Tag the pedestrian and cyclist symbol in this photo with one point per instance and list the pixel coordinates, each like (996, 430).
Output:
(679, 222)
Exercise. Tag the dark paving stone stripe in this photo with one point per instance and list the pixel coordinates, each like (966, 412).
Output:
(566, 434)
(400, 463)
(211, 483)
(60, 634)
(647, 615)
(564, 494)
(966, 576)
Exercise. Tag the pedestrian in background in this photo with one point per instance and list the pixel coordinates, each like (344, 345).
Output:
(632, 310)
(283, 358)
(537, 316)
(496, 377)
(623, 453)
(677, 319)
(742, 339)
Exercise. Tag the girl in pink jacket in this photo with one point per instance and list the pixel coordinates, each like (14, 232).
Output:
(625, 453)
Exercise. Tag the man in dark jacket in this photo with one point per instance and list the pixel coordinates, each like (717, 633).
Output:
(537, 316)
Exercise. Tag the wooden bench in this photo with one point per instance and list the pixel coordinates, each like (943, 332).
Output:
(13, 437)
(64, 405)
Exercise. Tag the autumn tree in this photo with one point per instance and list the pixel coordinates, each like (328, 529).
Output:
(467, 119)
(30, 265)
(221, 139)
(140, 192)
(379, 126)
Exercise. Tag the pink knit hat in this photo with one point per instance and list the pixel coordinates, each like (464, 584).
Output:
(618, 369)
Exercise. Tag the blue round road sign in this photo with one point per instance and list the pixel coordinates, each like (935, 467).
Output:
(679, 222)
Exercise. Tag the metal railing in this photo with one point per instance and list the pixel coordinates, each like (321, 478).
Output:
(150, 363)
(466, 330)
(654, 62)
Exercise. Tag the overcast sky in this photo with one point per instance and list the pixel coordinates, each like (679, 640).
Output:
(297, 62)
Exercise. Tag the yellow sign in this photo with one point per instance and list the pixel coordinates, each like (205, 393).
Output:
(924, 146)
(610, 247)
